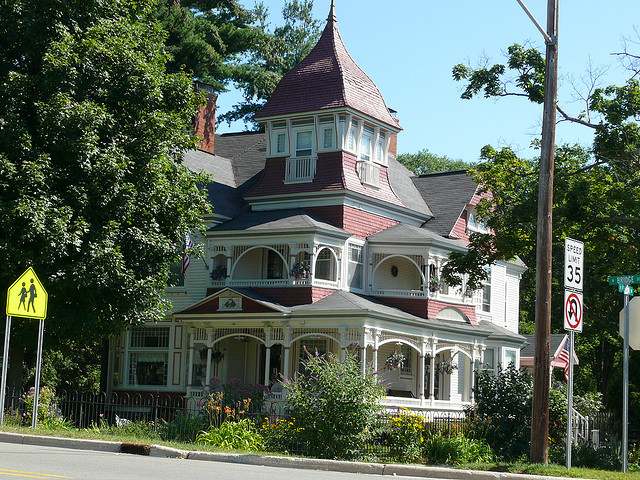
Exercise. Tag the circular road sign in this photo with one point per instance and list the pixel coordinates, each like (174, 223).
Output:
(573, 311)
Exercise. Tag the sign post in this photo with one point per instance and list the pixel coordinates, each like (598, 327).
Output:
(625, 286)
(573, 318)
(26, 297)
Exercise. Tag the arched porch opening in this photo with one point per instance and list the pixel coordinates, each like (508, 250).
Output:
(398, 273)
(260, 263)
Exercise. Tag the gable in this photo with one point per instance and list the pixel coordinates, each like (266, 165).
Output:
(230, 300)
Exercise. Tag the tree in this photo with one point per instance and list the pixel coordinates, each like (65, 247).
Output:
(277, 53)
(424, 162)
(93, 193)
(597, 192)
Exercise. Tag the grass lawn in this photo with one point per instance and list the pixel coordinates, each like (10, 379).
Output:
(554, 471)
(532, 469)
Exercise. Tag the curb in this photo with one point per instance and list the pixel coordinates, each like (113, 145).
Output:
(268, 460)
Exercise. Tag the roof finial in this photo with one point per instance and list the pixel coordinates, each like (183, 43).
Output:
(332, 12)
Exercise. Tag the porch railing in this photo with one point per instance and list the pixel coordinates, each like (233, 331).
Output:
(300, 169)
(387, 292)
(369, 173)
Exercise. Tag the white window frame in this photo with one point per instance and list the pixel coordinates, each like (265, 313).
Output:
(324, 124)
(473, 225)
(350, 262)
(486, 284)
(274, 132)
(135, 350)
(295, 130)
(369, 132)
(506, 350)
(356, 125)
(380, 147)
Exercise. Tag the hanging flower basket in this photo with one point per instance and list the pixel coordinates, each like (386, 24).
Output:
(395, 361)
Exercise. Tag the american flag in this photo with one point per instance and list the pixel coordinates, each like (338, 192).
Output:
(188, 244)
(563, 356)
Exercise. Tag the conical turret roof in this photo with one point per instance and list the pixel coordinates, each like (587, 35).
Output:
(328, 78)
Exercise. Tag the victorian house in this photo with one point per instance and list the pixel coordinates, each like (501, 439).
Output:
(321, 241)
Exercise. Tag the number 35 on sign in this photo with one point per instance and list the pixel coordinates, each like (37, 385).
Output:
(573, 264)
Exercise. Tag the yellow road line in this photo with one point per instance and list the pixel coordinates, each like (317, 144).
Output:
(23, 474)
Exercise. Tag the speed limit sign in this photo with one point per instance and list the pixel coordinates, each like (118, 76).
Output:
(573, 264)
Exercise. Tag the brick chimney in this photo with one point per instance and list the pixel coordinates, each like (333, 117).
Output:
(204, 123)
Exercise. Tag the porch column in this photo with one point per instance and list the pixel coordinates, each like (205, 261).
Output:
(285, 367)
(375, 360)
(432, 372)
(473, 375)
(343, 345)
(229, 267)
(363, 359)
(267, 366)
(421, 377)
(207, 379)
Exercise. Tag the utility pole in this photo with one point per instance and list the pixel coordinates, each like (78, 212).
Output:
(539, 452)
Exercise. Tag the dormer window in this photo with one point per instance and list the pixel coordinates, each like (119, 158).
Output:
(327, 132)
(474, 224)
(366, 144)
(381, 146)
(303, 136)
(352, 143)
(279, 143)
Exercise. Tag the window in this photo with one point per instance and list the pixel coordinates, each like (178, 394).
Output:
(489, 359)
(366, 144)
(353, 136)
(510, 357)
(279, 138)
(143, 337)
(326, 266)
(381, 147)
(304, 143)
(474, 224)
(342, 127)
(327, 132)
(176, 277)
(355, 267)
(407, 353)
(274, 265)
(148, 356)
(486, 292)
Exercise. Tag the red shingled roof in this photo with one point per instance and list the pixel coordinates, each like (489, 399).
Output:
(327, 78)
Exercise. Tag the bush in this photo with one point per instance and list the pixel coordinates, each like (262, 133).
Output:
(335, 407)
(455, 450)
(49, 415)
(404, 436)
(502, 412)
(240, 435)
(585, 455)
(280, 435)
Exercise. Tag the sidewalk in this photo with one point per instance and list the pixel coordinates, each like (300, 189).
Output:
(266, 460)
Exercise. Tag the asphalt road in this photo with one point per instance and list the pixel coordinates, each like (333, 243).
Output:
(47, 463)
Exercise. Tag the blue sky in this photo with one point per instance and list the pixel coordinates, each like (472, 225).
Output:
(409, 46)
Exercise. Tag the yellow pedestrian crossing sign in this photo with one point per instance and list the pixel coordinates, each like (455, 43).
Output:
(26, 297)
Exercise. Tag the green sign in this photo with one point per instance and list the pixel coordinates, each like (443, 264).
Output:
(624, 280)
(621, 289)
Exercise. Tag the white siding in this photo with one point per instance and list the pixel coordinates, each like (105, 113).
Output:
(498, 274)
(513, 302)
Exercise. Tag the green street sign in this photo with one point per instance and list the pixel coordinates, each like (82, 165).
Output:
(624, 280)
(621, 289)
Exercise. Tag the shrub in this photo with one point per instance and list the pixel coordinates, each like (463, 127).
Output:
(502, 412)
(335, 406)
(404, 436)
(585, 455)
(49, 415)
(280, 435)
(240, 435)
(455, 450)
